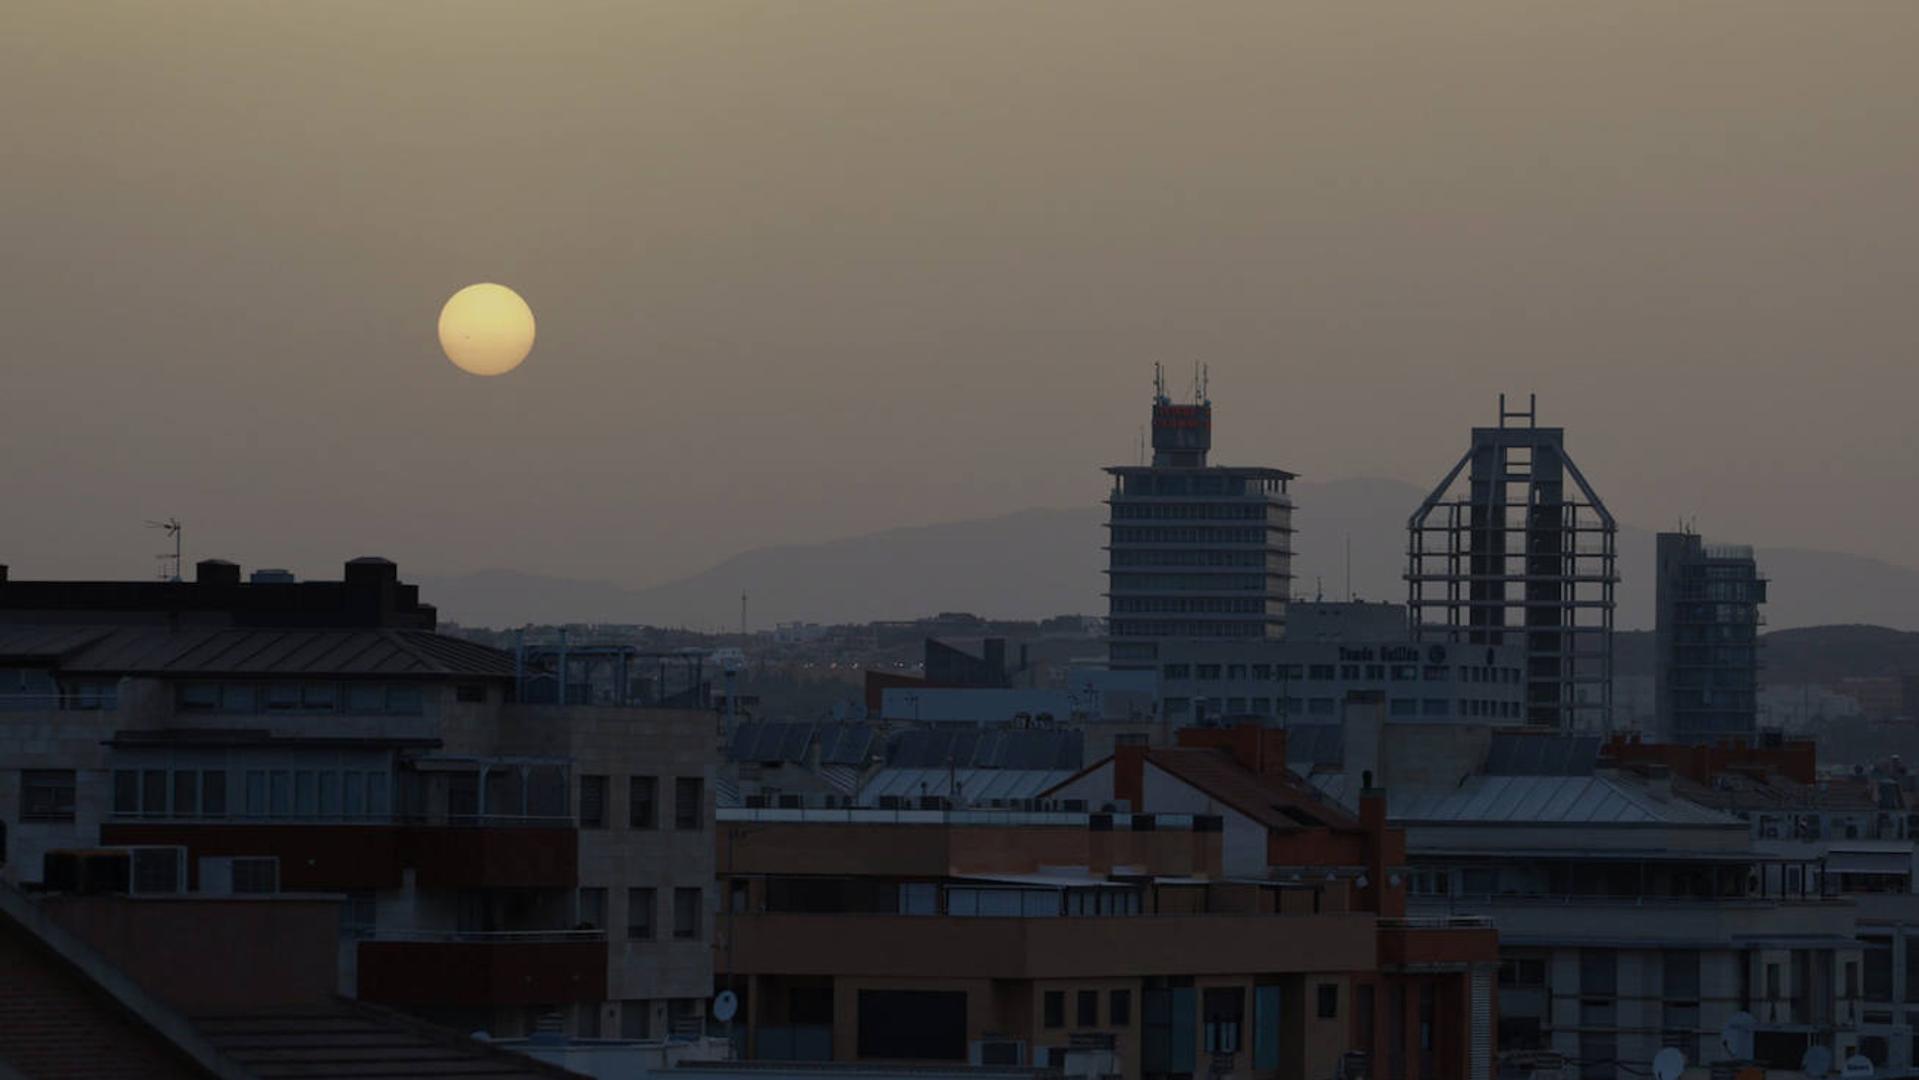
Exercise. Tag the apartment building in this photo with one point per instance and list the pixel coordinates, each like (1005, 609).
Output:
(500, 866)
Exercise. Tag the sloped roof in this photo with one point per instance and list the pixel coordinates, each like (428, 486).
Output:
(768, 741)
(1283, 803)
(240, 651)
(971, 747)
(1515, 753)
(976, 785)
(1550, 800)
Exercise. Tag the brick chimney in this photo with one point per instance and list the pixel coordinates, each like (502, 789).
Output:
(1129, 774)
(1385, 853)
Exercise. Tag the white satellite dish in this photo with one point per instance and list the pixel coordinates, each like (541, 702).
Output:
(1816, 1063)
(1668, 1064)
(1858, 1067)
(1736, 1036)
(726, 1005)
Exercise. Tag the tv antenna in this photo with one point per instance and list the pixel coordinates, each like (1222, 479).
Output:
(172, 528)
(1159, 384)
(1816, 1062)
(1668, 1064)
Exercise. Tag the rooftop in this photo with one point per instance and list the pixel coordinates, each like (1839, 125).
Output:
(252, 651)
(1600, 799)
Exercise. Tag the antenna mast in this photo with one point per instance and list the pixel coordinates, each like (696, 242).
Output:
(172, 528)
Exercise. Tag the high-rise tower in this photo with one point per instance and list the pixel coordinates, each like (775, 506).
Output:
(1706, 641)
(1195, 551)
(1523, 553)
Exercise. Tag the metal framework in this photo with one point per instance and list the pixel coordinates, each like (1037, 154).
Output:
(1519, 555)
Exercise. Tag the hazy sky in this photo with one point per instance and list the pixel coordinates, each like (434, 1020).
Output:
(804, 269)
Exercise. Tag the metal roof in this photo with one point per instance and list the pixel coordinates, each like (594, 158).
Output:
(1530, 754)
(1012, 748)
(345, 1040)
(1308, 745)
(975, 785)
(769, 741)
(1550, 800)
(239, 651)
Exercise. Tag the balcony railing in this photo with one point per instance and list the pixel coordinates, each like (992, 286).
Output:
(485, 937)
(1437, 922)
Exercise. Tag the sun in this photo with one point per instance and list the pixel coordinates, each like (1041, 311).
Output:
(486, 329)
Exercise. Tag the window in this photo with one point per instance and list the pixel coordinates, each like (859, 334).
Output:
(359, 914)
(213, 793)
(186, 793)
(1087, 1014)
(1054, 1009)
(592, 802)
(306, 792)
(1119, 1008)
(1328, 996)
(1225, 1009)
(366, 698)
(352, 800)
(589, 1023)
(642, 802)
(318, 697)
(686, 914)
(46, 794)
(1320, 671)
(593, 909)
(256, 876)
(689, 802)
(635, 1020)
(639, 914)
(330, 793)
(280, 793)
(126, 791)
(1178, 671)
(153, 793)
(405, 699)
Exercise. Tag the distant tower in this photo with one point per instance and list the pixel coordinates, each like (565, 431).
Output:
(1706, 662)
(1195, 551)
(1520, 556)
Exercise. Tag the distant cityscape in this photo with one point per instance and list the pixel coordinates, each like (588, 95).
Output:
(260, 826)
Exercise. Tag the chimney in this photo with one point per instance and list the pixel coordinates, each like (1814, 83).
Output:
(1129, 774)
(216, 572)
(1384, 894)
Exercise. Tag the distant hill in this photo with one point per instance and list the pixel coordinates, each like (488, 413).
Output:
(1042, 562)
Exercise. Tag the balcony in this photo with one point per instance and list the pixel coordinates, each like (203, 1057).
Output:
(322, 857)
(518, 967)
(1647, 922)
(1437, 941)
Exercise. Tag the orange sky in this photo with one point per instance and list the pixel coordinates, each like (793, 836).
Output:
(808, 269)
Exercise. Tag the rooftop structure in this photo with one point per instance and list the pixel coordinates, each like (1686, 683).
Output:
(1523, 553)
(1195, 551)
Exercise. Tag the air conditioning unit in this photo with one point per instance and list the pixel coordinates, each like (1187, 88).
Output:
(240, 875)
(1000, 1052)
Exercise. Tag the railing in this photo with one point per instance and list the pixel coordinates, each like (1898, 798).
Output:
(1436, 922)
(1578, 900)
(485, 937)
(59, 702)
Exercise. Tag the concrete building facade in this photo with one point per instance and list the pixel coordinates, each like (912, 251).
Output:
(1194, 551)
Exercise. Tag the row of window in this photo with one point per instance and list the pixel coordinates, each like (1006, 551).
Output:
(403, 699)
(1190, 534)
(1202, 605)
(1479, 708)
(1194, 582)
(1199, 558)
(1343, 672)
(1197, 483)
(1119, 1009)
(1170, 628)
(1239, 511)
(642, 912)
(266, 793)
(642, 799)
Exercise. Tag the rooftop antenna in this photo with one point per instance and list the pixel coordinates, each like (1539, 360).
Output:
(1142, 444)
(1205, 384)
(172, 528)
(1196, 381)
(1349, 568)
(1159, 384)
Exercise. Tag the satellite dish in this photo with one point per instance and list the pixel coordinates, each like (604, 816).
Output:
(1668, 1064)
(726, 1005)
(1858, 1066)
(1817, 1062)
(1736, 1036)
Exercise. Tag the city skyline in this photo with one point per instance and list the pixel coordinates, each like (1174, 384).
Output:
(778, 306)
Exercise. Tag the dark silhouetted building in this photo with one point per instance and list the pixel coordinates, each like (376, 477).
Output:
(1706, 669)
